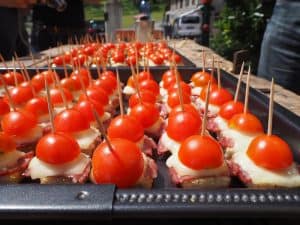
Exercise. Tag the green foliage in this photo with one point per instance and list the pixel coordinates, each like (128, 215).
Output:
(240, 26)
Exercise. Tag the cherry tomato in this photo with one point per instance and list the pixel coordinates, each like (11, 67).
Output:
(169, 81)
(69, 121)
(229, 109)
(175, 58)
(157, 59)
(4, 107)
(85, 107)
(144, 75)
(18, 122)
(107, 83)
(67, 56)
(173, 99)
(89, 50)
(145, 113)
(187, 108)
(37, 106)
(125, 127)
(20, 95)
(108, 73)
(97, 94)
(71, 84)
(122, 166)
(146, 96)
(80, 59)
(118, 57)
(182, 125)
(9, 78)
(200, 153)
(130, 60)
(201, 79)
(270, 152)
(56, 96)
(38, 81)
(85, 75)
(219, 96)
(149, 85)
(213, 87)
(58, 60)
(7, 143)
(57, 148)
(246, 122)
(184, 86)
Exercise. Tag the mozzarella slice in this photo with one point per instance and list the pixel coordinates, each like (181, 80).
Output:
(262, 176)
(172, 145)
(39, 169)
(196, 91)
(221, 123)
(10, 158)
(213, 109)
(86, 138)
(183, 170)
(128, 90)
(31, 136)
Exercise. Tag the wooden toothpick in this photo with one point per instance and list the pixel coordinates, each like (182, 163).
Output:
(213, 66)
(4, 63)
(61, 92)
(50, 109)
(179, 89)
(236, 95)
(29, 80)
(136, 82)
(11, 102)
(204, 121)
(14, 71)
(271, 107)
(120, 92)
(203, 60)
(247, 90)
(219, 75)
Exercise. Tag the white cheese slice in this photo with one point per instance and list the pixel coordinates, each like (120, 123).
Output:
(172, 145)
(86, 138)
(10, 158)
(261, 176)
(128, 90)
(221, 123)
(213, 109)
(196, 91)
(183, 170)
(39, 169)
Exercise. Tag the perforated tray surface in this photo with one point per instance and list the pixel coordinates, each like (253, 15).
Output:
(164, 200)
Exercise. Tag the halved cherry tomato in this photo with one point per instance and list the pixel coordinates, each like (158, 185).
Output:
(18, 122)
(229, 109)
(79, 59)
(270, 152)
(184, 86)
(246, 122)
(145, 113)
(187, 108)
(71, 84)
(97, 94)
(125, 127)
(122, 166)
(9, 78)
(70, 120)
(149, 85)
(213, 87)
(7, 143)
(201, 79)
(108, 83)
(173, 99)
(84, 73)
(144, 75)
(219, 96)
(38, 81)
(130, 60)
(201, 152)
(20, 95)
(4, 107)
(56, 96)
(86, 107)
(182, 125)
(37, 106)
(57, 148)
(58, 60)
(146, 96)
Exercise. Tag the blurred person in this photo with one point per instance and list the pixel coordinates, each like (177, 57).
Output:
(280, 49)
(13, 37)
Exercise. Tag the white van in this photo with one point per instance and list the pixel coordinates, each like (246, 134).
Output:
(187, 26)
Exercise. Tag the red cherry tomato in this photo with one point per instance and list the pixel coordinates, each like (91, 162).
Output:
(58, 60)
(80, 59)
(89, 50)
(108, 73)
(213, 87)
(149, 85)
(145, 113)
(7, 144)
(130, 60)
(220, 96)
(69, 121)
(71, 84)
(125, 127)
(157, 59)
(144, 75)
(201, 152)
(18, 122)
(20, 95)
(122, 166)
(4, 107)
(107, 83)
(187, 108)
(97, 94)
(173, 99)
(118, 57)
(38, 81)
(201, 79)
(86, 107)
(84, 73)
(184, 86)
(231, 108)
(246, 122)
(37, 106)
(146, 96)
(175, 58)
(57, 148)
(56, 96)
(9, 78)
(270, 152)
(182, 125)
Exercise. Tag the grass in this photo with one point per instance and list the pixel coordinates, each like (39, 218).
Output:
(129, 11)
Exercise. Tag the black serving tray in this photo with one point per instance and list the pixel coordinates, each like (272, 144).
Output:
(164, 200)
